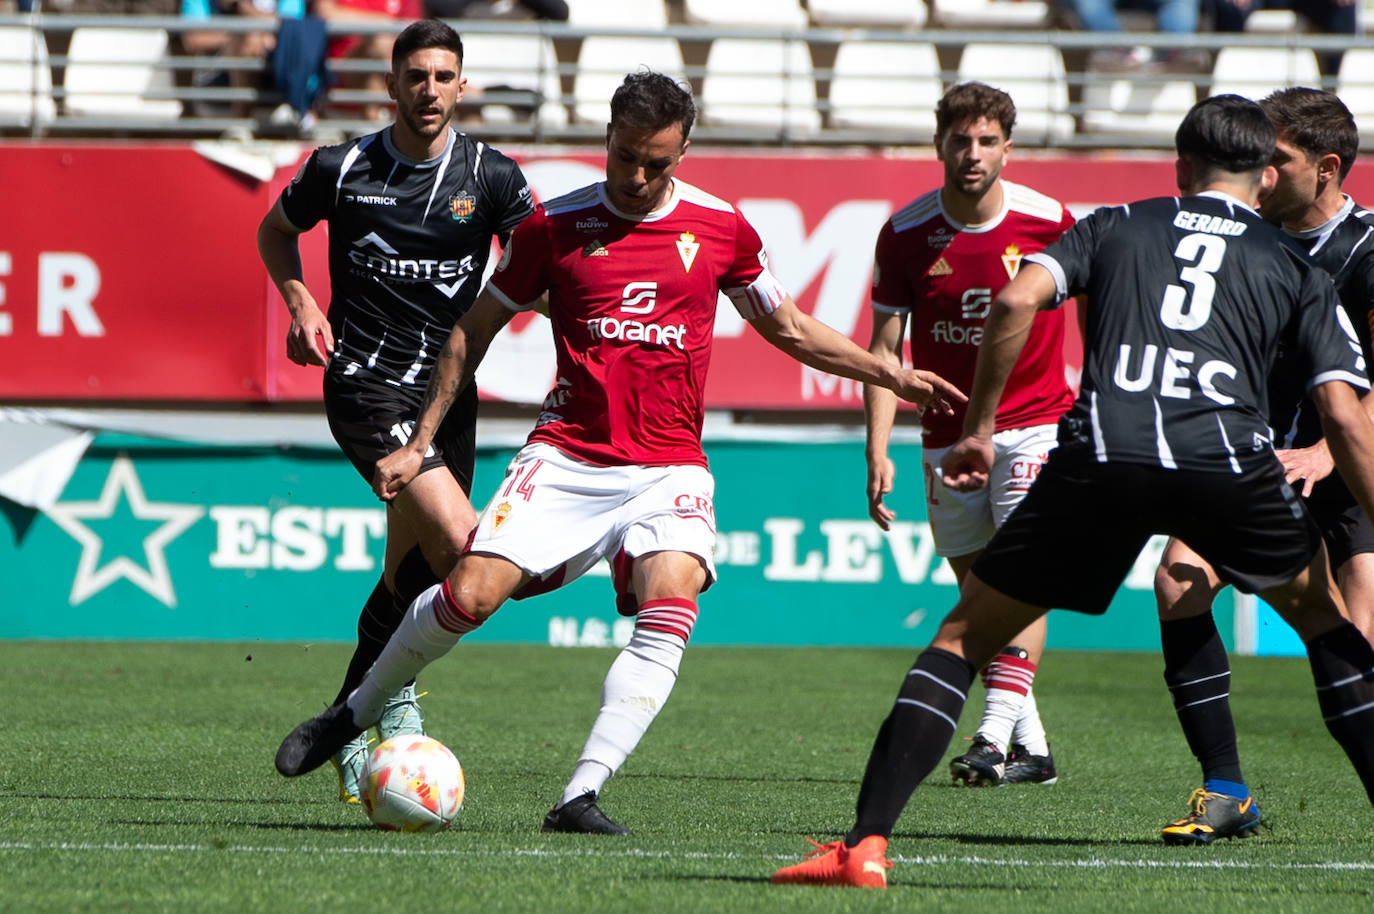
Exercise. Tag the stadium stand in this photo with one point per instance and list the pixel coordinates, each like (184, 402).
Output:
(26, 99)
(1355, 83)
(754, 82)
(828, 72)
(617, 14)
(894, 14)
(119, 72)
(1034, 75)
(886, 85)
(995, 14)
(779, 15)
(517, 76)
(603, 62)
(1255, 72)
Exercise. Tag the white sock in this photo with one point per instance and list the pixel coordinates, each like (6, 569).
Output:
(429, 630)
(1001, 709)
(1030, 730)
(587, 777)
(1008, 678)
(638, 683)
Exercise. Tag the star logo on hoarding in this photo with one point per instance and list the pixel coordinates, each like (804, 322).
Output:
(153, 577)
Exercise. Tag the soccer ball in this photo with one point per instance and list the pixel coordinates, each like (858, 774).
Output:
(412, 783)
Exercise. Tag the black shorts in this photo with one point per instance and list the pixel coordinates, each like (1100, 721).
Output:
(1344, 525)
(370, 419)
(1073, 539)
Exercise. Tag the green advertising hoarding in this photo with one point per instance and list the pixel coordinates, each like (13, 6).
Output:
(170, 541)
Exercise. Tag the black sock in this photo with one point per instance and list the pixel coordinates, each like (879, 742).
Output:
(1198, 674)
(382, 615)
(912, 740)
(1343, 669)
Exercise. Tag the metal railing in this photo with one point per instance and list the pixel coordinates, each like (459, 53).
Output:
(206, 108)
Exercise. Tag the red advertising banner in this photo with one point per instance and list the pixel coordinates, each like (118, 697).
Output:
(130, 273)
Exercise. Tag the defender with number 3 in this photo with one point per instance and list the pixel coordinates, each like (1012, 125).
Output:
(1168, 435)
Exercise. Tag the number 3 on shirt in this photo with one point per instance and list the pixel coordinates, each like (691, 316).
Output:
(1183, 309)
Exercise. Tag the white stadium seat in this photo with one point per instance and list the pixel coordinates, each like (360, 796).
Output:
(603, 62)
(892, 14)
(760, 83)
(1355, 84)
(1115, 104)
(770, 14)
(524, 63)
(1033, 75)
(990, 14)
(620, 14)
(110, 71)
(1255, 72)
(25, 78)
(886, 84)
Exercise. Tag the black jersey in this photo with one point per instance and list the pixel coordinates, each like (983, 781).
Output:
(1343, 247)
(408, 243)
(1187, 302)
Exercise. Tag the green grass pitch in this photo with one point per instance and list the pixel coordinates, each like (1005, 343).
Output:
(138, 777)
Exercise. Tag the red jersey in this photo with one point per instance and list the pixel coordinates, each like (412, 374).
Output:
(944, 275)
(632, 301)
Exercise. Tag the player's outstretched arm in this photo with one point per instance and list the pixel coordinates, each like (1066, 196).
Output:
(1350, 435)
(966, 465)
(818, 345)
(463, 351)
(1004, 336)
(880, 413)
(309, 340)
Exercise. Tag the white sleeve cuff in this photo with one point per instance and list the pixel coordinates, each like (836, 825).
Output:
(762, 296)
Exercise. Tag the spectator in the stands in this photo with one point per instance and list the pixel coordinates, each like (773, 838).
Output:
(1177, 17)
(257, 45)
(1336, 17)
(375, 46)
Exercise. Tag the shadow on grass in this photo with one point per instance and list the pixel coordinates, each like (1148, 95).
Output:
(160, 798)
(987, 840)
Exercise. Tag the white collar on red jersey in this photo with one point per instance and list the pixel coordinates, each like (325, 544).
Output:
(653, 216)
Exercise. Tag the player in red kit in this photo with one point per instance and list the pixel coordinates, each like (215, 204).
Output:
(939, 263)
(614, 468)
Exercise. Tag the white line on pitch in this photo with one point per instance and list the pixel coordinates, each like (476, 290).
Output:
(470, 852)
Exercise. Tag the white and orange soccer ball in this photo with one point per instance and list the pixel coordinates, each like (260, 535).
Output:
(412, 783)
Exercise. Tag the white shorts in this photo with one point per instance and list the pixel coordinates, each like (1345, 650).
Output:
(962, 523)
(555, 517)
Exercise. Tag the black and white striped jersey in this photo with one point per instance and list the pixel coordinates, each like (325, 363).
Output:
(408, 243)
(1343, 247)
(1188, 299)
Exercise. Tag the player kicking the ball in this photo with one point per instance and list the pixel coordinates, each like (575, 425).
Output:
(614, 468)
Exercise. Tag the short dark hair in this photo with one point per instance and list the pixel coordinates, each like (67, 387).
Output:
(652, 101)
(973, 100)
(425, 33)
(1226, 132)
(1316, 122)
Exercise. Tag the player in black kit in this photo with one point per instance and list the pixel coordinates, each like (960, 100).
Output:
(1188, 299)
(412, 210)
(1317, 144)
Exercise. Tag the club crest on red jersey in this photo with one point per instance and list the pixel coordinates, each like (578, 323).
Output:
(1011, 259)
(687, 248)
(462, 205)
